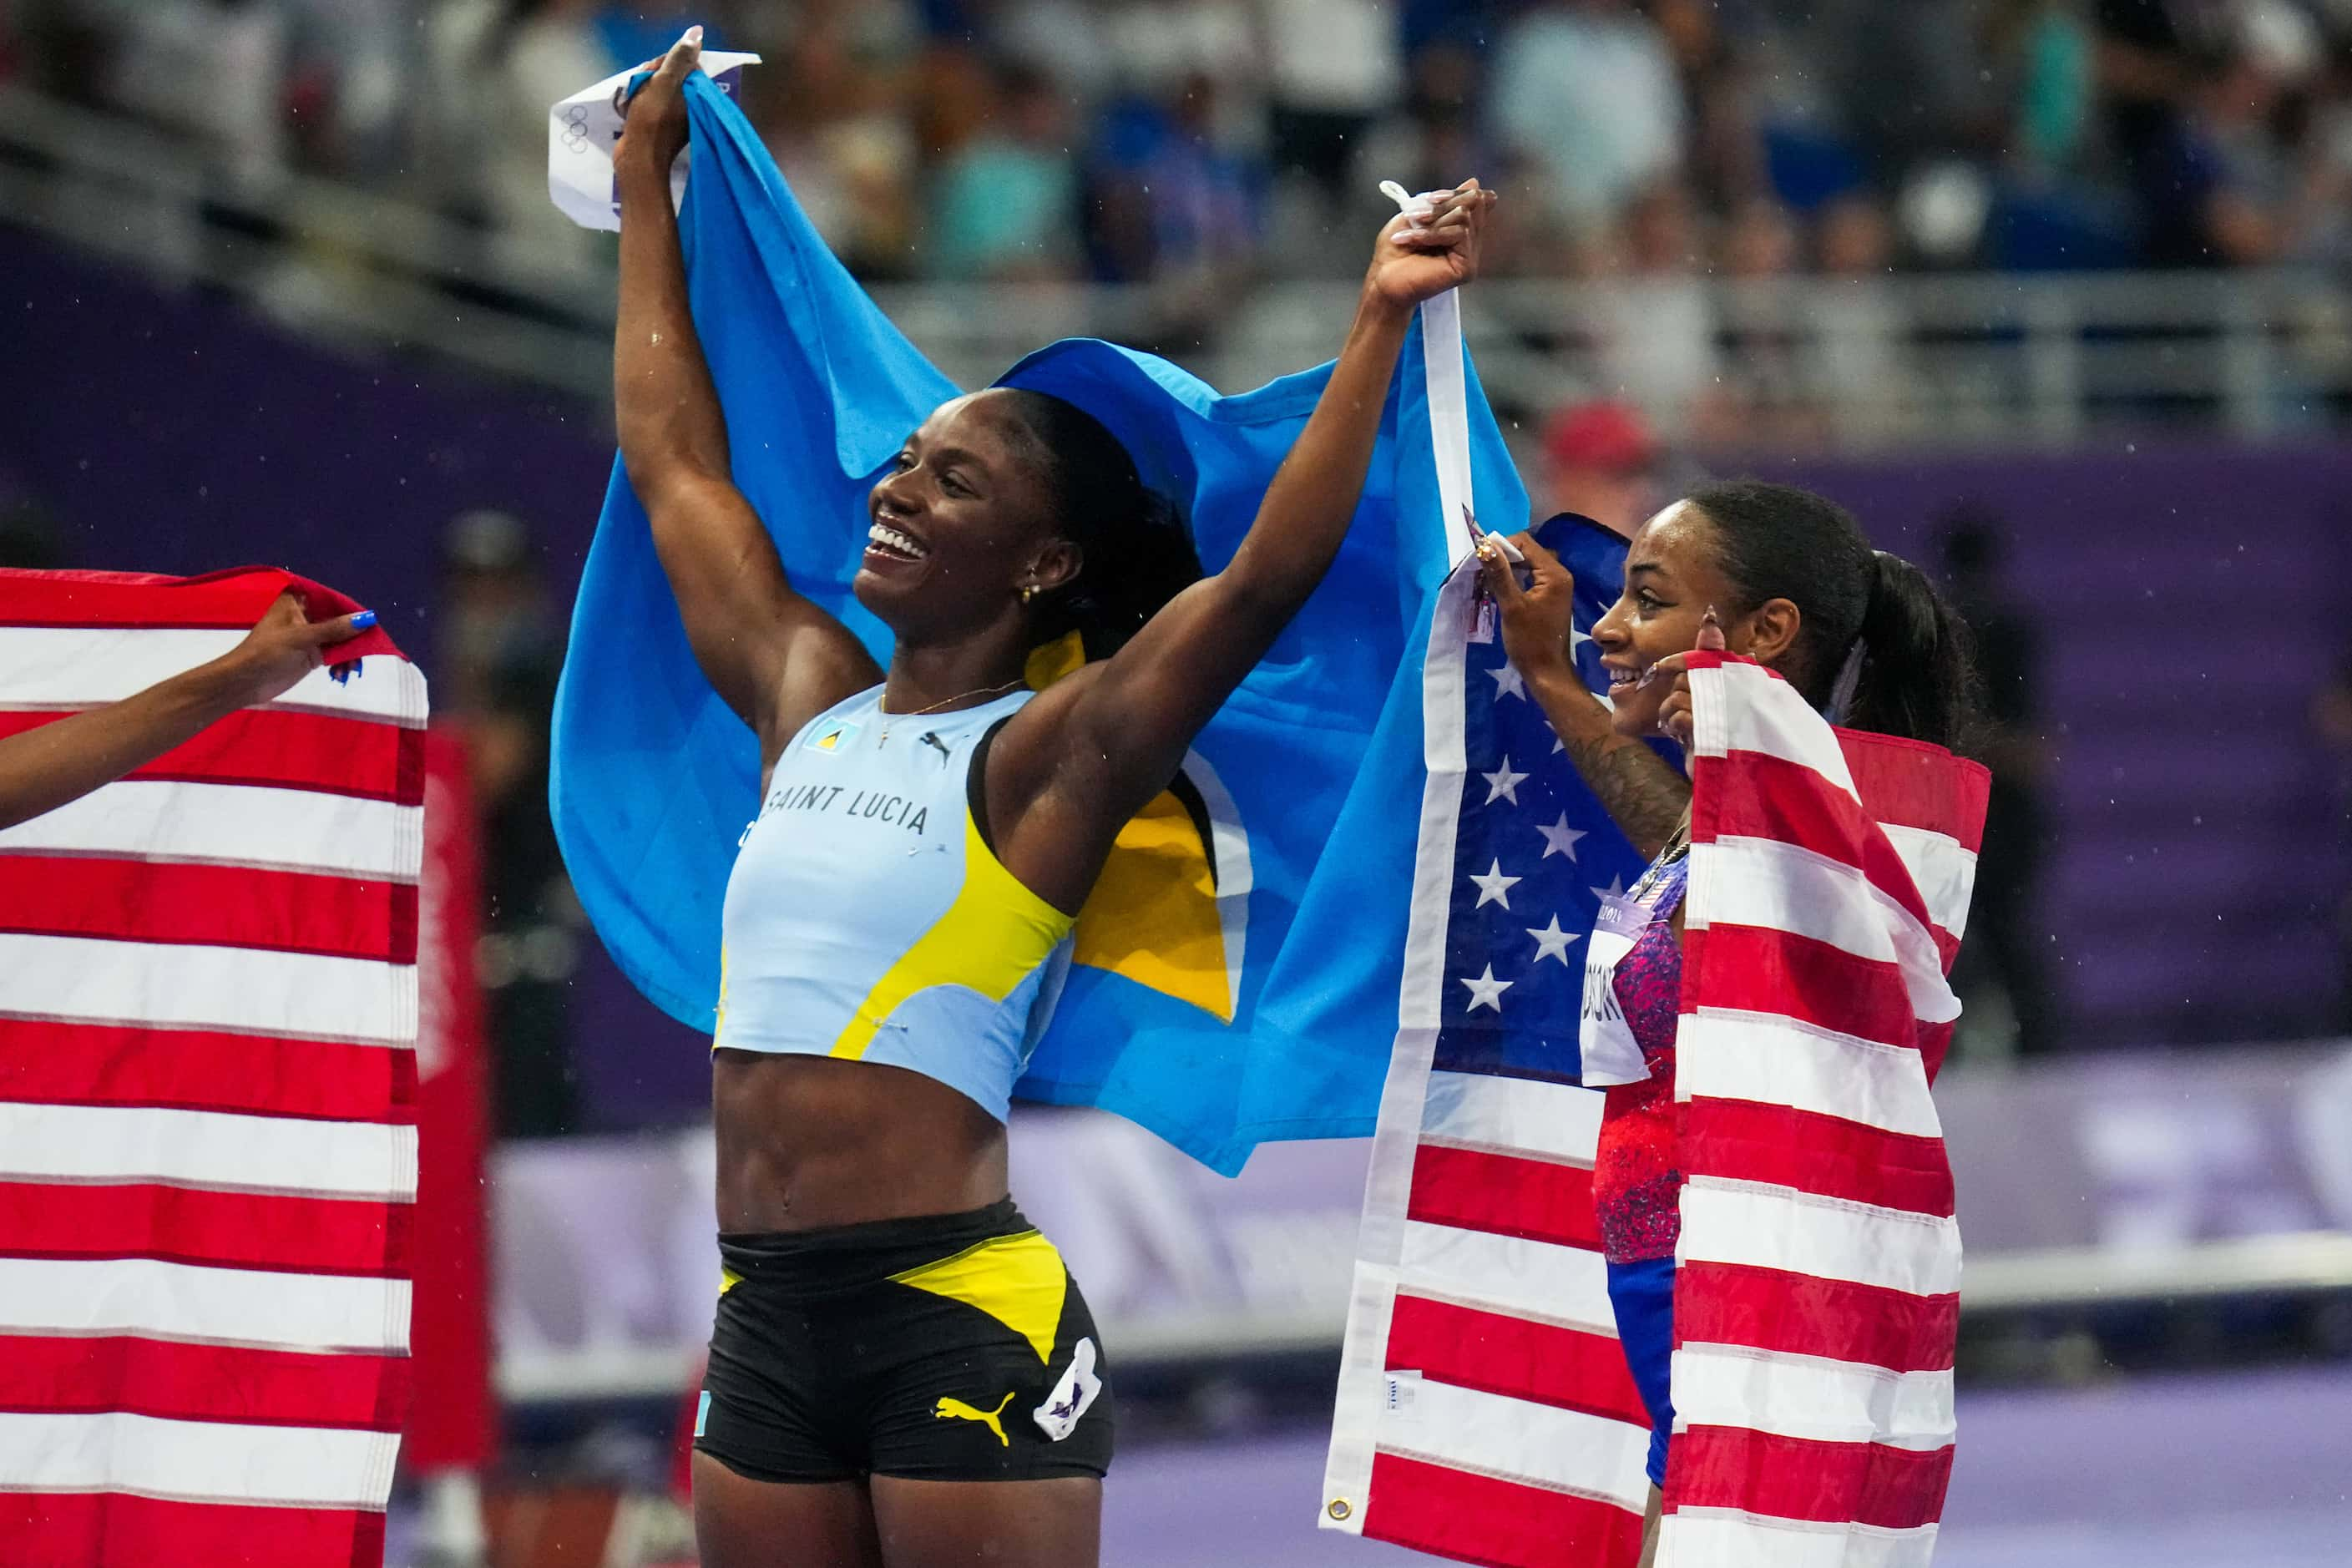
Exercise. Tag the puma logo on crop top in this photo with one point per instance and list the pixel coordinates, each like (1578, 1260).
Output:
(867, 917)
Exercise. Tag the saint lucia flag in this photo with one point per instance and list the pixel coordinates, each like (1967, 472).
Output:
(1237, 970)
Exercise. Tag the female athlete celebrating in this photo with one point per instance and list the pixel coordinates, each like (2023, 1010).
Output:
(1786, 579)
(901, 1372)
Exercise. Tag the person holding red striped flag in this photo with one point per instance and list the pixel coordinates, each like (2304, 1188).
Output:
(44, 768)
(211, 825)
(1767, 1007)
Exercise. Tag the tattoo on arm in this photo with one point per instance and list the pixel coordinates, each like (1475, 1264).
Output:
(1641, 791)
(1643, 796)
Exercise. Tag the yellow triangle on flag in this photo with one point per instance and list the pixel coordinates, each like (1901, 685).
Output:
(1019, 1280)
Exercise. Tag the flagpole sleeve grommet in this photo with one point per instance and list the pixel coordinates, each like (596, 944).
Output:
(1340, 1509)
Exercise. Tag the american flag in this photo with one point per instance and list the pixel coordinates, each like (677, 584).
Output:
(1486, 1411)
(1817, 1299)
(208, 1011)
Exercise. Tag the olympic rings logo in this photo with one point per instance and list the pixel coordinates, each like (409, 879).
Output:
(576, 129)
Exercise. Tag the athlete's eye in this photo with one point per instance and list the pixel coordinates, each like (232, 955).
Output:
(954, 486)
(902, 462)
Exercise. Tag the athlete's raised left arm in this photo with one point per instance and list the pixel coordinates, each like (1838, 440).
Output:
(1096, 747)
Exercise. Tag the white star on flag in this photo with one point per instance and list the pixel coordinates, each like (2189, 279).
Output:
(1553, 943)
(1559, 838)
(1507, 682)
(1575, 639)
(1494, 887)
(1615, 890)
(1503, 784)
(1487, 992)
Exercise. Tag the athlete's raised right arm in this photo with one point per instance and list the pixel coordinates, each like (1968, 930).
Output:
(773, 657)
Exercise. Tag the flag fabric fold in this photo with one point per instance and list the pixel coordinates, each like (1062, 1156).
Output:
(1817, 1297)
(208, 1011)
(1222, 976)
(1486, 1411)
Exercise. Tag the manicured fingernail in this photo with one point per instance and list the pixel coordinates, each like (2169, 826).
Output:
(694, 35)
(364, 620)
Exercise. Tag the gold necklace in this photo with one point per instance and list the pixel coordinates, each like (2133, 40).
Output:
(982, 691)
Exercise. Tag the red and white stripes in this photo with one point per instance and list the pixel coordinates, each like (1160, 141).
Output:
(1820, 1262)
(208, 1011)
(1486, 1411)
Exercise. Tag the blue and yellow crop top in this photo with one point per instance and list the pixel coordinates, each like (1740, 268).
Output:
(867, 917)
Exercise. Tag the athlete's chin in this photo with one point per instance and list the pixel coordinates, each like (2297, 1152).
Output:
(886, 591)
(1636, 718)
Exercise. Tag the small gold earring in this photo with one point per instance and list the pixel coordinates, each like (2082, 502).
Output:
(1028, 592)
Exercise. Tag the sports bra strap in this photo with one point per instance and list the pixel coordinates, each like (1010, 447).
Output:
(975, 787)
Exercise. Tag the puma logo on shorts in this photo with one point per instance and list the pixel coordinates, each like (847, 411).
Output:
(957, 1410)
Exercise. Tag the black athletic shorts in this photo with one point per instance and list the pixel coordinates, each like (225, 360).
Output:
(951, 1348)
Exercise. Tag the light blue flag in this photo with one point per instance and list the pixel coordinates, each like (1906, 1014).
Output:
(1237, 970)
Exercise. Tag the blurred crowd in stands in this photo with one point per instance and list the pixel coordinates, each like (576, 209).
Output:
(1214, 141)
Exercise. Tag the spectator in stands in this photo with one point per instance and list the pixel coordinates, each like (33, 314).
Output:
(503, 63)
(1005, 203)
(2324, 177)
(1170, 204)
(1856, 363)
(1431, 128)
(501, 650)
(1163, 47)
(1332, 67)
(1762, 333)
(1067, 40)
(1600, 460)
(2007, 949)
(1908, 81)
(2216, 186)
(1585, 91)
(830, 103)
(1653, 329)
(2047, 53)
(2143, 75)
(215, 71)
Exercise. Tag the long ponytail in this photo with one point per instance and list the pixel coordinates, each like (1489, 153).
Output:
(1917, 677)
(1874, 637)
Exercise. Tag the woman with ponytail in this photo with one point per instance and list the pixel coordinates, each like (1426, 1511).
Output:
(1758, 572)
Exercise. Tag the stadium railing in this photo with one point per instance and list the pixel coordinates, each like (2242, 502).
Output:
(1909, 360)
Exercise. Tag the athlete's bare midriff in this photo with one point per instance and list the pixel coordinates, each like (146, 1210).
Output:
(808, 1141)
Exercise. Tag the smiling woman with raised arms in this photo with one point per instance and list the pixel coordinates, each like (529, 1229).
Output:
(901, 1373)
